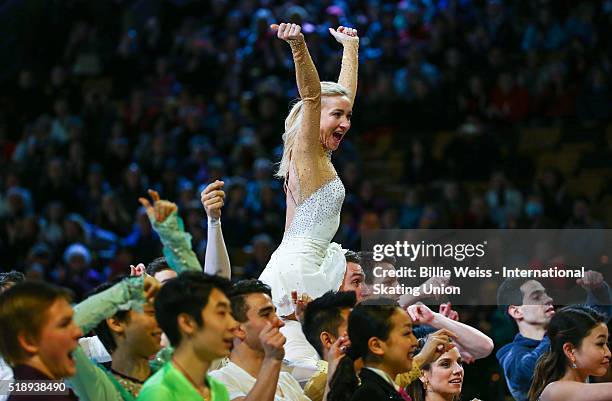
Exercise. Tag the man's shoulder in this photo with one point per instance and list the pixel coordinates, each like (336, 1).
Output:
(518, 345)
(229, 371)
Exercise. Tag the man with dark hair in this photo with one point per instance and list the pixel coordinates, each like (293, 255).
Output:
(194, 312)
(527, 303)
(374, 279)
(124, 320)
(354, 278)
(325, 320)
(254, 371)
(38, 334)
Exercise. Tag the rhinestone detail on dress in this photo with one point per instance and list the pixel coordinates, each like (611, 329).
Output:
(321, 207)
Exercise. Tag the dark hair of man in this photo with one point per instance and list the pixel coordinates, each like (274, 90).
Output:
(23, 310)
(239, 293)
(188, 293)
(102, 330)
(509, 293)
(368, 264)
(324, 314)
(352, 257)
(157, 265)
(10, 278)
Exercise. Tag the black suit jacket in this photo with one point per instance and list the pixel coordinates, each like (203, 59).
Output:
(375, 388)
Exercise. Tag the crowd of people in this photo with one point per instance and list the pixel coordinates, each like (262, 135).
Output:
(187, 98)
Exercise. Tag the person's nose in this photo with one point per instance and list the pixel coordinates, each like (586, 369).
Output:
(78, 333)
(277, 322)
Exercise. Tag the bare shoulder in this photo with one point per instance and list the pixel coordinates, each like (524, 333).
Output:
(557, 390)
(563, 390)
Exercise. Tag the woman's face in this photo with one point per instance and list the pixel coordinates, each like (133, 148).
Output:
(445, 377)
(400, 346)
(336, 112)
(593, 354)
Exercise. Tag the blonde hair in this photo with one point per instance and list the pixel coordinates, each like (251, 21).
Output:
(294, 121)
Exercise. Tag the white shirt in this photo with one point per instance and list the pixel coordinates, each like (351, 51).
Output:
(94, 349)
(239, 382)
(6, 376)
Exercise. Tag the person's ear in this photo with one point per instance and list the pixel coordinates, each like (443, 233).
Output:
(327, 340)
(424, 378)
(377, 346)
(115, 325)
(569, 350)
(186, 324)
(28, 342)
(515, 312)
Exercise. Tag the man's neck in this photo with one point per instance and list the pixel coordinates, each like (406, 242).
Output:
(532, 331)
(247, 358)
(190, 364)
(130, 365)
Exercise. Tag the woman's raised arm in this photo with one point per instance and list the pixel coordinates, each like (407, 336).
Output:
(309, 87)
(349, 40)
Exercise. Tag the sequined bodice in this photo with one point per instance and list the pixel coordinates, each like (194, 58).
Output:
(319, 216)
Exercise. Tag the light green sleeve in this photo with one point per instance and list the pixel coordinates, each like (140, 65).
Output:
(156, 393)
(126, 295)
(177, 244)
(91, 383)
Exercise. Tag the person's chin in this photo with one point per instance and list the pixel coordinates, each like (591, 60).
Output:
(71, 371)
(223, 354)
(602, 371)
(332, 145)
(68, 370)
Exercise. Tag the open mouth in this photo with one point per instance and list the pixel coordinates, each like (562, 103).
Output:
(411, 353)
(338, 135)
(456, 381)
(550, 309)
(70, 356)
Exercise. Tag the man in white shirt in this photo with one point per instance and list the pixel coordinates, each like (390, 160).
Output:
(254, 370)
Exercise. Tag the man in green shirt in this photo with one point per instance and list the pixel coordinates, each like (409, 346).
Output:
(194, 312)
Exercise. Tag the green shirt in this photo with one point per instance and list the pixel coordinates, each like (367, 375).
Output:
(169, 384)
